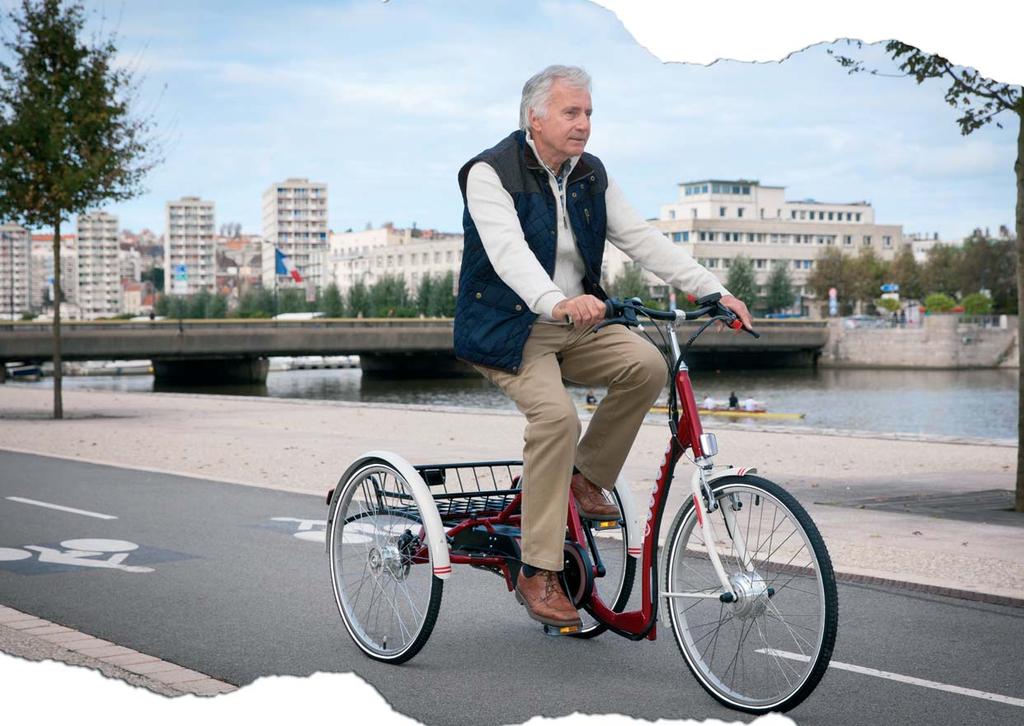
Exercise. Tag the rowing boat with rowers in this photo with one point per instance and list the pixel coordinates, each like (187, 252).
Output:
(729, 413)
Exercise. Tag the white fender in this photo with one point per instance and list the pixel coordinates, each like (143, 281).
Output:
(436, 542)
(728, 471)
(631, 514)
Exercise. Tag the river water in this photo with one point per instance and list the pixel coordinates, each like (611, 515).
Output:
(975, 403)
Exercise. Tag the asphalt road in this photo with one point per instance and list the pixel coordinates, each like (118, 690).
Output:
(213, 576)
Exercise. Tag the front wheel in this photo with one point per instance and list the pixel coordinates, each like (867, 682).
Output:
(385, 588)
(767, 649)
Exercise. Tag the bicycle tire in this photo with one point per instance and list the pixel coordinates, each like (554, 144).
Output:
(764, 603)
(374, 501)
(615, 590)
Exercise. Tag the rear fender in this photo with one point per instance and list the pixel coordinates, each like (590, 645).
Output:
(433, 529)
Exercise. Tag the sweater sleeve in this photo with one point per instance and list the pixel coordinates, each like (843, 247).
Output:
(490, 205)
(635, 236)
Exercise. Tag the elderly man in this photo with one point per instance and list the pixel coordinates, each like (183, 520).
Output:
(537, 213)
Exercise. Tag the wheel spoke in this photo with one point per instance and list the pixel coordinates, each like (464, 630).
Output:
(724, 642)
(387, 603)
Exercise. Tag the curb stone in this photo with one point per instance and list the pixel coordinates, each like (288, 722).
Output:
(45, 640)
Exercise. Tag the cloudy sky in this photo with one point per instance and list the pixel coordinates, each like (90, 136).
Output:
(384, 102)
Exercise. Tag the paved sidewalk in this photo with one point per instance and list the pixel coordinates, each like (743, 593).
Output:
(33, 638)
(926, 512)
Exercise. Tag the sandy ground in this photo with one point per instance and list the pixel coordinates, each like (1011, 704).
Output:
(305, 445)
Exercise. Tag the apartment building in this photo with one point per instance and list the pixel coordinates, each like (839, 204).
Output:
(189, 249)
(15, 271)
(98, 283)
(295, 221)
(412, 254)
(719, 220)
(42, 277)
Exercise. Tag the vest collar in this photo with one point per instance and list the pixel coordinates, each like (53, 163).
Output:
(578, 166)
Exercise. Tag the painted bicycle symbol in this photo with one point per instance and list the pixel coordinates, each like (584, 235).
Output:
(107, 554)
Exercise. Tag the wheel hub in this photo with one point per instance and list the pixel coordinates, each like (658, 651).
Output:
(751, 593)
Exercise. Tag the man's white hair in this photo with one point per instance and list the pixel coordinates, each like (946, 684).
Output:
(537, 90)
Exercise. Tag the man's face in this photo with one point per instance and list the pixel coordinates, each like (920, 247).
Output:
(565, 129)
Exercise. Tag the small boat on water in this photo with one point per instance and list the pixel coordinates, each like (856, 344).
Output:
(109, 368)
(24, 371)
(729, 413)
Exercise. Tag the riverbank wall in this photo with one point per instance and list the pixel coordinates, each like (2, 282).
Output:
(940, 342)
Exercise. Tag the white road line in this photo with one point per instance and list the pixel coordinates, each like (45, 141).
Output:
(903, 679)
(62, 509)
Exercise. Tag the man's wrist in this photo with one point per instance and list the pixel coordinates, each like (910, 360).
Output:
(547, 303)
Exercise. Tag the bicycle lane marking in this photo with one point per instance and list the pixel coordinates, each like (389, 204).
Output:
(89, 552)
(960, 690)
(60, 507)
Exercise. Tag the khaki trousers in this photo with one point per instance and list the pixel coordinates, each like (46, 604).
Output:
(634, 372)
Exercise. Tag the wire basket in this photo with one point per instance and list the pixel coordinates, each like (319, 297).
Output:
(475, 489)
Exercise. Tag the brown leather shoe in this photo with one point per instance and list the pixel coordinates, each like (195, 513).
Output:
(545, 601)
(591, 502)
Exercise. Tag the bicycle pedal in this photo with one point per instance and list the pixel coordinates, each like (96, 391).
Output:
(556, 631)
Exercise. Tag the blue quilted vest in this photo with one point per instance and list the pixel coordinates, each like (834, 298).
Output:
(492, 323)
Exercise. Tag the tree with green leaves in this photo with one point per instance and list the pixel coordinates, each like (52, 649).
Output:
(357, 302)
(630, 282)
(256, 303)
(424, 294)
(330, 303)
(292, 300)
(69, 141)
(941, 270)
(869, 272)
(741, 281)
(833, 269)
(780, 288)
(390, 299)
(905, 272)
(989, 264)
(980, 101)
(442, 298)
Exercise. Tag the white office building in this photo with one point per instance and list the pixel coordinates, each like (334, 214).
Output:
(412, 254)
(15, 271)
(295, 221)
(98, 283)
(719, 220)
(190, 253)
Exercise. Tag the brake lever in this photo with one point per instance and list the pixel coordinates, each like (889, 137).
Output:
(734, 322)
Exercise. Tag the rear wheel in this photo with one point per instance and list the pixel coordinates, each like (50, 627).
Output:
(385, 588)
(768, 648)
(615, 569)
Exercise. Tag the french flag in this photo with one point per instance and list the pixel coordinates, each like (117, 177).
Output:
(283, 266)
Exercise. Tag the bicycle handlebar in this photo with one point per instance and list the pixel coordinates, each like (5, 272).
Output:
(625, 312)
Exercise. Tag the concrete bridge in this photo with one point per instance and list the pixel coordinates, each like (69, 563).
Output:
(236, 350)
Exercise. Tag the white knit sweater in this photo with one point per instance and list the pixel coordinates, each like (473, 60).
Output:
(495, 218)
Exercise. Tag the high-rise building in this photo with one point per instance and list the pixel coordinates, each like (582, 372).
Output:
(42, 287)
(189, 250)
(15, 271)
(295, 221)
(98, 291)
